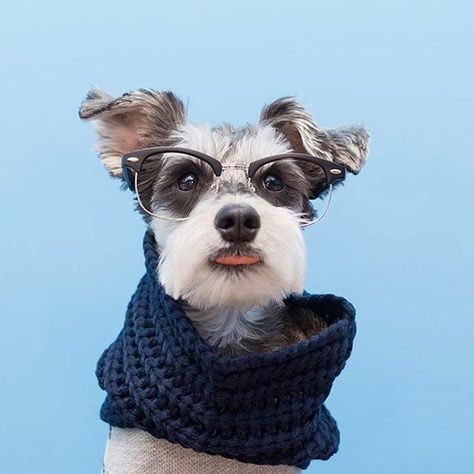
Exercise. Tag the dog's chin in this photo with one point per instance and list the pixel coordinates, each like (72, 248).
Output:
(229, 280)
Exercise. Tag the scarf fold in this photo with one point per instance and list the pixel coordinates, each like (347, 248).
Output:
(265, 408)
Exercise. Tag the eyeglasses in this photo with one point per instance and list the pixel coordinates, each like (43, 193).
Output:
(267, 176)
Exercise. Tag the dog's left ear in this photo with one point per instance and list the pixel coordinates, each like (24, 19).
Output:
(346, 145)
(138, 119)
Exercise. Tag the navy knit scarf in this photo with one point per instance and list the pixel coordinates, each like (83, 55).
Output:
(265, 408)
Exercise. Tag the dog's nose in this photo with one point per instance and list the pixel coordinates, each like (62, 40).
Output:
(237, 223)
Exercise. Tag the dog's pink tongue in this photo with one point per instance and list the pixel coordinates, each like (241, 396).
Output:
(237, 260)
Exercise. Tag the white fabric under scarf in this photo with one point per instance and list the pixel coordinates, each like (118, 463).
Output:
(132, 451)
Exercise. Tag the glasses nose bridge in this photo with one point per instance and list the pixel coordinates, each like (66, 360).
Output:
(233, 167)
(236, 167)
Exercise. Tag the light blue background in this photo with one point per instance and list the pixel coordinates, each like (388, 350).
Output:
(397, 242)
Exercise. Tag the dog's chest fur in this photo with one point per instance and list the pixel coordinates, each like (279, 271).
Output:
(261, 329)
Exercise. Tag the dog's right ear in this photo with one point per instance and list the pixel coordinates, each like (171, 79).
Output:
(137, 119)
(345, 145)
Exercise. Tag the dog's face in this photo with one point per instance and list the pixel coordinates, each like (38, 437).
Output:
(241, 244)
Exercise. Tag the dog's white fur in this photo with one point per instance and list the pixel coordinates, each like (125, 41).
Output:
(224, 298)
(184, 267)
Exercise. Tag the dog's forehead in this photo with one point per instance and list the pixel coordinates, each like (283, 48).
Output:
(232, 145)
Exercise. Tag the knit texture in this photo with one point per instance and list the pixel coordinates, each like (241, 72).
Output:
(267, 408)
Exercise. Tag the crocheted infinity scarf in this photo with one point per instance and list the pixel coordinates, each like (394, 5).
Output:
(265, 408)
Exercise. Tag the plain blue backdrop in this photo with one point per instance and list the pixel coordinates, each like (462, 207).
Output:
(397, 242)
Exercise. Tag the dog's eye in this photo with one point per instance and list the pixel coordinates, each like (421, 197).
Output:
(188, 181)
(272, 182)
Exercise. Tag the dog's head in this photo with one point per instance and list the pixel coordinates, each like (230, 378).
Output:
(237, 242)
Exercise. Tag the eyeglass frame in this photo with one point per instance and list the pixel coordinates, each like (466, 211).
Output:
(132, 162)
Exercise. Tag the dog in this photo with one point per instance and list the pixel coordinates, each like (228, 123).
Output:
(231, 245)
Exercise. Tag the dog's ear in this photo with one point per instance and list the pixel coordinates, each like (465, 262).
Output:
(346, 145)
(138, 119)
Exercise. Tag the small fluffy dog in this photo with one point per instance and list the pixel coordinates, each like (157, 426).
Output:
(230, 242)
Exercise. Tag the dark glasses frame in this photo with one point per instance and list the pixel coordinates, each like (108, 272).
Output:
(132, 162)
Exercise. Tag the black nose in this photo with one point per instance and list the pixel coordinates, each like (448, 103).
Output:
(237, 223)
